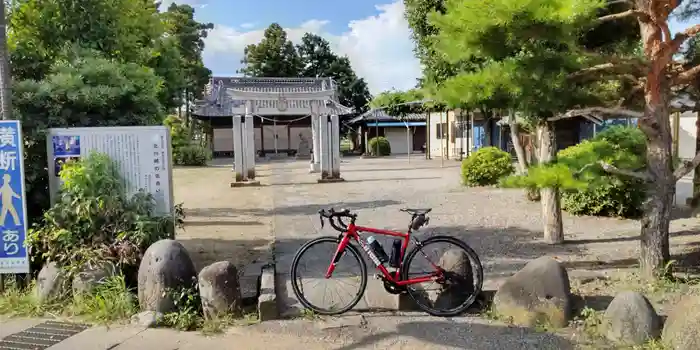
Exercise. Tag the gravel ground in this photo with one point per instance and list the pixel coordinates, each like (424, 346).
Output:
(223, 223)
(501, 226)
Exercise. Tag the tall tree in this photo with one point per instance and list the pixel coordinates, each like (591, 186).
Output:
(318, 60)
(5, 77)
(273, 56)
(526, 60)
(40, 30)
(530, 47)
(659, 73)
(189, 35)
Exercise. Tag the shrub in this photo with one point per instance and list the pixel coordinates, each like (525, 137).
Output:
(192, 155)
(382, 142)
(486, 166)
(606, 194)
(95, 220)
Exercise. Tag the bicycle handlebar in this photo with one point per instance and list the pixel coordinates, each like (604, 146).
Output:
(331, 214)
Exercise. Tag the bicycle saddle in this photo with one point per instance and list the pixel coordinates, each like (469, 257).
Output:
(416, 211)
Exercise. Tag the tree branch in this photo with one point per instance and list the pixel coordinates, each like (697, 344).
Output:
(598, 111)
(681, 37)
(629, 13)
(687, 167)
(617, 171)
(687, 76)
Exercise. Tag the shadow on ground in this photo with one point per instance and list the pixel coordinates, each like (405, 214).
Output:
(305, 209)
(241, 252)
(315, 183)
(466, 336)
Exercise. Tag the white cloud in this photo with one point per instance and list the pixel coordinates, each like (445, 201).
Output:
(379, 47)
(247, 25)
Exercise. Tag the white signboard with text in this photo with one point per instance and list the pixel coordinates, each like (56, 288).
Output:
(143, 154)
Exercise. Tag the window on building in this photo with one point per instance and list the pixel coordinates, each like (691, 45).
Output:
(440, 131)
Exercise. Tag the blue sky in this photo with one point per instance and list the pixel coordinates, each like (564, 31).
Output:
(372, 33)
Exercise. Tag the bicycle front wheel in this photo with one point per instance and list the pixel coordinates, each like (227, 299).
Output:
(328, 296)
(463, 276)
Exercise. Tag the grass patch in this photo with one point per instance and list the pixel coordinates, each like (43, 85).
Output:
(111, 302)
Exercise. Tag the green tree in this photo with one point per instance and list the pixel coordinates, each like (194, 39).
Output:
(40, 30)
(273, 56)
(538, 57)
(399, 103)
(83, 90)
(318, 60)
(528, 60)
(5, 77)
(189, 35)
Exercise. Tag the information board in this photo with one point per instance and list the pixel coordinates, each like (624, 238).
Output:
(142, 153)
(13, 204)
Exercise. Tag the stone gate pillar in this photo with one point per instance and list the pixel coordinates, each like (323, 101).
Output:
(250, 141)
(238, 150)
(315, 137)
(329, 131)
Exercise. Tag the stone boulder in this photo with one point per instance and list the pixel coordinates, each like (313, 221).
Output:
(455, 261)
(219, 290)
(631, 320)
(91, 276)
(166, 269)
(539, 294)
(682, 324)
(51, 283)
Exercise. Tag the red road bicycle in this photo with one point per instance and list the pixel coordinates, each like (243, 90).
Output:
(461, 282)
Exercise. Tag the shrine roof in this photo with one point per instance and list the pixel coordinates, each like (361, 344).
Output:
(381, 116)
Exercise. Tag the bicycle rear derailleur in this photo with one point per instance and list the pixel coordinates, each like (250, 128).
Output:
(390, 286)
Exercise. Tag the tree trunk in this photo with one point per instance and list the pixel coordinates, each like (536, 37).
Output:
(517, 145)
(5, 83)
(655, 222)
(551, 207)
(655, 124)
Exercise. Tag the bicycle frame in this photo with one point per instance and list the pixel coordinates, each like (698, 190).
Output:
(353, 232)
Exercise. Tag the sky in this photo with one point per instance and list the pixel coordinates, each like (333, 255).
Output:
(372, 33)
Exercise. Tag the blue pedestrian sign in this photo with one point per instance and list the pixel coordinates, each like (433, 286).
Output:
(13, 204)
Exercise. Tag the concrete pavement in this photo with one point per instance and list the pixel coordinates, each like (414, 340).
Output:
(351, 332)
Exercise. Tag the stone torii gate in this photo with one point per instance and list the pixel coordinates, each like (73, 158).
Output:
(285, 97)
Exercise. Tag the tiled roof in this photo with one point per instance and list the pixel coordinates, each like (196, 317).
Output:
(217, 103)
(380, 115)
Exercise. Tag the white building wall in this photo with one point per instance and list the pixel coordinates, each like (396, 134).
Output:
(687, 134)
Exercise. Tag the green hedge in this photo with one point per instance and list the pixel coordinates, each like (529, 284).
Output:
(486, 166)
(610, 195)
(384, 146)
(191, 155)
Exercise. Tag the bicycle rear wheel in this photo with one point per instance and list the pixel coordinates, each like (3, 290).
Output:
(464, 276)
(319, 253)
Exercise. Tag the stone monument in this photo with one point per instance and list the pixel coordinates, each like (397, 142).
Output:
(304, 149)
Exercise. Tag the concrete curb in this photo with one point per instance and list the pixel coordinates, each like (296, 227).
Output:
(267, 300)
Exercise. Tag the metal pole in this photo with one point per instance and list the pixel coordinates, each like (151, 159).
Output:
(376, 136)
(408, 141)
(442, 143)
(274, 126)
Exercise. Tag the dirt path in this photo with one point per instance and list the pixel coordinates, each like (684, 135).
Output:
(223, 223)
